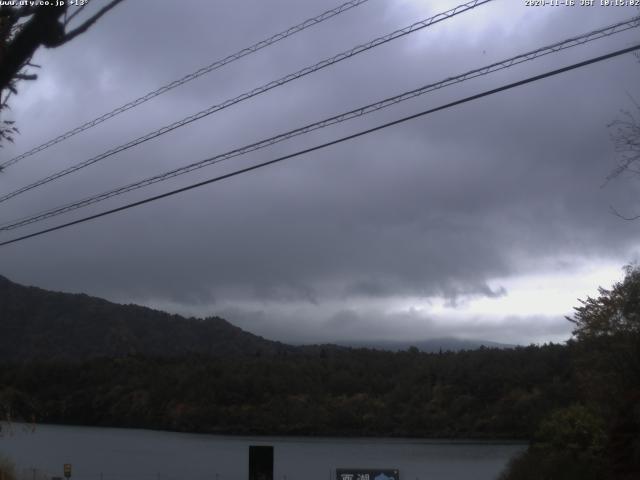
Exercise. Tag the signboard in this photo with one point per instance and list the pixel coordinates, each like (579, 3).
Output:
(67, 470)
(260, 462)
(367, 474)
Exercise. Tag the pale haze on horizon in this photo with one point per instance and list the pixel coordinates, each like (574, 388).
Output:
(487, 221)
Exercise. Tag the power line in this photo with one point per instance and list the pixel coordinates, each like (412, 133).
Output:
(256, 91)
(191, 76)
(333, 142)
(531, 55)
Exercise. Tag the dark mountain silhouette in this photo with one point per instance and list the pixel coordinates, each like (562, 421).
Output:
(40, 324)
(46, 325)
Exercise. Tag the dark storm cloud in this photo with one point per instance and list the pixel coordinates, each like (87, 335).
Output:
(439, 207)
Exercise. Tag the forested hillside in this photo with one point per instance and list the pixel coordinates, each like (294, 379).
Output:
(487, 393)
(39, 324)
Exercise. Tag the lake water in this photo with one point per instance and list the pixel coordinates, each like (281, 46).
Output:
(125, 454)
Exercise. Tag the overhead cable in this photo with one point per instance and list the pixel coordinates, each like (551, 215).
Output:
(187, 78)
(494, 67)
(256, 91)
(327, 144)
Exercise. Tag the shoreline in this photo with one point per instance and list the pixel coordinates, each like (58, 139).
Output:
(297, 437)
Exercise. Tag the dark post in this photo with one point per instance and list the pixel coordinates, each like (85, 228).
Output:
(260, 462)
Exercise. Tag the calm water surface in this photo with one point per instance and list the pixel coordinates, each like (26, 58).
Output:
(125, 454)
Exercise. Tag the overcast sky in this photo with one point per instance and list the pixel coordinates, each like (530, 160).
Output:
(485, 221)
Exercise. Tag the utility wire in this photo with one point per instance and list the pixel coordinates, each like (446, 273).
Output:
(568, 43)
(187, 78)
(257, 91)
(333, 142)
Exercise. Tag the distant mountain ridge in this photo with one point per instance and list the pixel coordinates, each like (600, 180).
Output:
(40, 324)
(434, 345)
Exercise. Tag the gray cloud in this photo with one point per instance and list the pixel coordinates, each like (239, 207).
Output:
(439, 207)
(355, 323)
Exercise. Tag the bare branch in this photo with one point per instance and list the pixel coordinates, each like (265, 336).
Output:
(626, 140)
(619, 215)
(632, 98)
(90, 21)
(26, 76)
(3, 102)
(78, 10)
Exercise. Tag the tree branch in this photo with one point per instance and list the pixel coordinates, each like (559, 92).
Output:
(26, 76)
(41, 29)
(85, 26)
(78, 10)
(619, 215)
